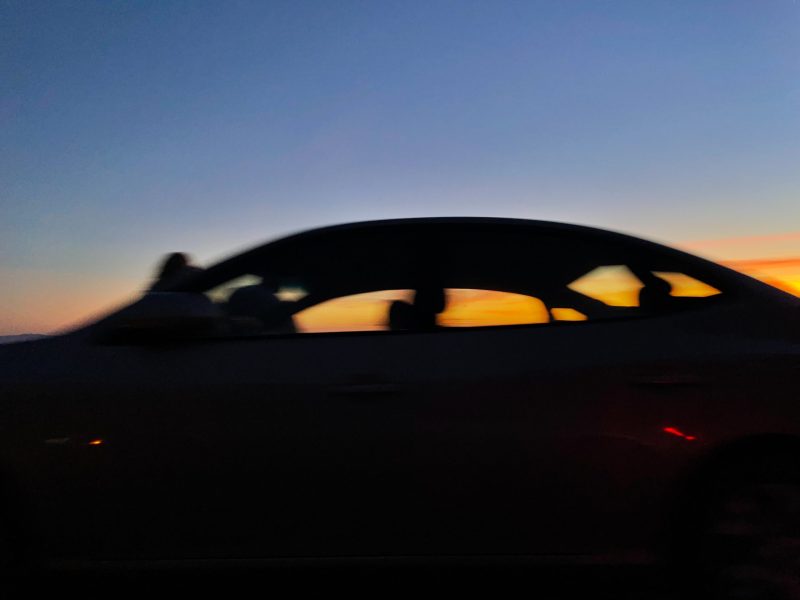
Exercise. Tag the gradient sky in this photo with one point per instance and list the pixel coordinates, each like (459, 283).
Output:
(130, 129)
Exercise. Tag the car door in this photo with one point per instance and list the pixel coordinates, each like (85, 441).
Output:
(550, 437)
(247, 446)
(558, 434)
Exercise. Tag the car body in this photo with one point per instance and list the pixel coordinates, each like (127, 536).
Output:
(535, 421)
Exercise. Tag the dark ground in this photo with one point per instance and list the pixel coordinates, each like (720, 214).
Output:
(597, 583)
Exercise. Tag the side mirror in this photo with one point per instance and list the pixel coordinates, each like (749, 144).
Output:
(162, 317)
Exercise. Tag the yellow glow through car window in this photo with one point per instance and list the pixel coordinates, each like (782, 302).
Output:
(222, 293)
(614, 285)
(483, 308)
(684, 286)
(359, 312)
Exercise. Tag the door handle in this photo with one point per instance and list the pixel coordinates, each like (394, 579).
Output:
(361, 390)
(666, 381)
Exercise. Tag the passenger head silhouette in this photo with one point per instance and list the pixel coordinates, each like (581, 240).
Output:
(173, 263)
(173, 268)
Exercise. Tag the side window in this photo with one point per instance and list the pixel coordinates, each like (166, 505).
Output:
(403, 310)
(613, 285)
(684, 286)
(255, 305)
(358, 312)
(222, 294)
(614, 291)
(484, 308)
(258, 306)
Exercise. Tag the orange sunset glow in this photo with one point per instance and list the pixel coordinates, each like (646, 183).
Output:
(53, 302)
(783, 273)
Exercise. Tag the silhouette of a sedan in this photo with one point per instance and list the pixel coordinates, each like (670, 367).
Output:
(425, 388)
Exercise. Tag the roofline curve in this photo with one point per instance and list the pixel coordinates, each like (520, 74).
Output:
(230, 263)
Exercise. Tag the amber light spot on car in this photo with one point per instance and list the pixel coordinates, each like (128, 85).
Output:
(96, 443)
(678, 433)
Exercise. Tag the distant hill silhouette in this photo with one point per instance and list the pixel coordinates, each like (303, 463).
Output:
(10, 339)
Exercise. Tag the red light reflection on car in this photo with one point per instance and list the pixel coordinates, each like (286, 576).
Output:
(678, 433)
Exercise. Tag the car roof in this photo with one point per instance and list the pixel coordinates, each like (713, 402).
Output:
(422, 225)
(419, 239)
(419, 224)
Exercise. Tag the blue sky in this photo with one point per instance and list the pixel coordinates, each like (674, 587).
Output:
(135, 128)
